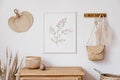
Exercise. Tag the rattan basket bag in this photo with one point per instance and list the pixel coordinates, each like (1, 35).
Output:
(21, 22)
(107, 76)
(96, 52)
(103, 37)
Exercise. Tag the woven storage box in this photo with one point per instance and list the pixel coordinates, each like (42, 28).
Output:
(107, 76)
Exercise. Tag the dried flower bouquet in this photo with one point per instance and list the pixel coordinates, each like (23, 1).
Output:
(9, 66)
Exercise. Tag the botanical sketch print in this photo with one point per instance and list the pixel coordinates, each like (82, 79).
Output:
(59, 32)
(56, 32)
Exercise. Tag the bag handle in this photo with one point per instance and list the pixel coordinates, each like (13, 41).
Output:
(96, 22)
(97, 71)
(90, 35)
(92, 30)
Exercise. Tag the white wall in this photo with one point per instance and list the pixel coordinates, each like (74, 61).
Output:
(31, 42)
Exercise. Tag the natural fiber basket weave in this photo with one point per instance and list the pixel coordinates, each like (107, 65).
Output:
(96, 52)
(21, 22)
(107, 76)
(33, 62)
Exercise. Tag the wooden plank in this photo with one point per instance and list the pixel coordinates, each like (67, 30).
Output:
(49, 78)
(51, 71)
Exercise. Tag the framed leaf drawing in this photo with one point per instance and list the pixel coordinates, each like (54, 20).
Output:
(60, 32)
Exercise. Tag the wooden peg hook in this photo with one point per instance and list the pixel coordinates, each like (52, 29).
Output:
(92, 15)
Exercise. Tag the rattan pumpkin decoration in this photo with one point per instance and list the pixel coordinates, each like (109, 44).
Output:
(21, 22)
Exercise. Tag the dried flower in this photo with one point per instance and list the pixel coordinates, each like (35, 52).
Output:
(10, 67)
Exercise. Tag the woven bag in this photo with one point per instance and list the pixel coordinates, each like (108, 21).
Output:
(107, 76)
(96, 52)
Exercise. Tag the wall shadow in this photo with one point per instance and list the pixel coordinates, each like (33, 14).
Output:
(88, 76)
(45, 63)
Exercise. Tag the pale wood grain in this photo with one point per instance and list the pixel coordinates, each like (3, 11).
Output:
(51, 73)
(49, 78)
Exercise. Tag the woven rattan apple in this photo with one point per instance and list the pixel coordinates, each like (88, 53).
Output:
(21, 22)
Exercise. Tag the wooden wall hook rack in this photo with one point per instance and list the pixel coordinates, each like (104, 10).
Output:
(90, 15)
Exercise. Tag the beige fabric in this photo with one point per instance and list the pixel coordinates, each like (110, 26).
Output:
(103, 32)
(95, 52)
(21, 23)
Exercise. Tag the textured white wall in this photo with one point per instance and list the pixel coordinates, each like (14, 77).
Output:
(31, 42)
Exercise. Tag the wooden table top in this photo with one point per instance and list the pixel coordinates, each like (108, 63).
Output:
(52, 71)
